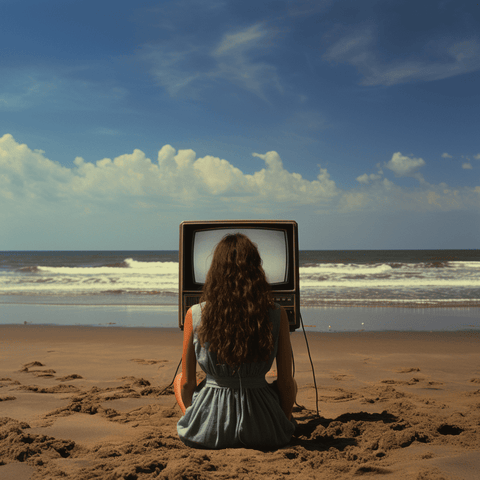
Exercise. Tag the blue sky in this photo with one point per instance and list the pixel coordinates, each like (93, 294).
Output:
(358, 119)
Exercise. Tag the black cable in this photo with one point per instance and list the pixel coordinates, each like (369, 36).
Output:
(174, 375)
(293, 362)
(293, 366)
(311, 363)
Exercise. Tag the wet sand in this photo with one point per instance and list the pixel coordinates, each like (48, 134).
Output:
(93, 403)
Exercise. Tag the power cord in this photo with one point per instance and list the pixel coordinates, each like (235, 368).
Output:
(311, 363)
(174, 375)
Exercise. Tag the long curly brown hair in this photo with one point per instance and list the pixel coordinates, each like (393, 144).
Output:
(237, 296)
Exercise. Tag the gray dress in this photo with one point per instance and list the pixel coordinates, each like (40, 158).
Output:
(234, 409)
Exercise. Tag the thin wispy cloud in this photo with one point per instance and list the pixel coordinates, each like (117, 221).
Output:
(240, 41)
(237, 63)
(55, 89)
(22, 90)
(187, 68)
(435, 61)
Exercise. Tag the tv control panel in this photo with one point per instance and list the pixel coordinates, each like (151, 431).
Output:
(288, 302)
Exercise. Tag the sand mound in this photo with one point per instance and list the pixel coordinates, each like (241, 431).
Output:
(358, 443)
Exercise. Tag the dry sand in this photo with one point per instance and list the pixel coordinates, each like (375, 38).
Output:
(89, 403)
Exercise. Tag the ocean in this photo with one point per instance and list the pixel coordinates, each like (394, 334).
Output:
(339, 290)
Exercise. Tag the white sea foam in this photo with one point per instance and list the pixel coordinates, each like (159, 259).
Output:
(399, 301)
(384, 276)
(131, 266)
(389, 283)
(320, 283)
(135, 276)
(340, 268)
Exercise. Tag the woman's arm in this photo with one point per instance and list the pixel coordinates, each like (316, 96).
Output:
(286, 384)
(189, 362)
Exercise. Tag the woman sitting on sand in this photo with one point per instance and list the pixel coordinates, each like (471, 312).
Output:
(234, 335)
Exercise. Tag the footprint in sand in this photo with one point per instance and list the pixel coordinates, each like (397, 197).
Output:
(43, 373)
(38, 373)
(412, 381)
(339, 395)
(434, 384)
(148, 362)
(34, 364)
(136, 382)
(54, 389)
(4, 399)
(73, 376)
(9, 381)
(394, 382)
(27, 366)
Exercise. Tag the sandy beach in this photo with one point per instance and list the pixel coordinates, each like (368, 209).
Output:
(90, 403)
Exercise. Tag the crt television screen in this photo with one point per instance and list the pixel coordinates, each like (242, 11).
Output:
(271, 244)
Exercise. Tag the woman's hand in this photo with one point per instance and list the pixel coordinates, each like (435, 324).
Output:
(189, 362)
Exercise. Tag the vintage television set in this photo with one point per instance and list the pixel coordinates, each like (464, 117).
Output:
(277, 242)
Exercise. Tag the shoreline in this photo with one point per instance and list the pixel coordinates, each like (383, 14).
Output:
(308, 329)
(315, 319)
(345, 303)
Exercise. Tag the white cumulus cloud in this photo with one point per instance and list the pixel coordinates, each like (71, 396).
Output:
(291, 187)
(365, 178)
(29, 173)
(121, 198)
(177, 176)
(404, 166)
